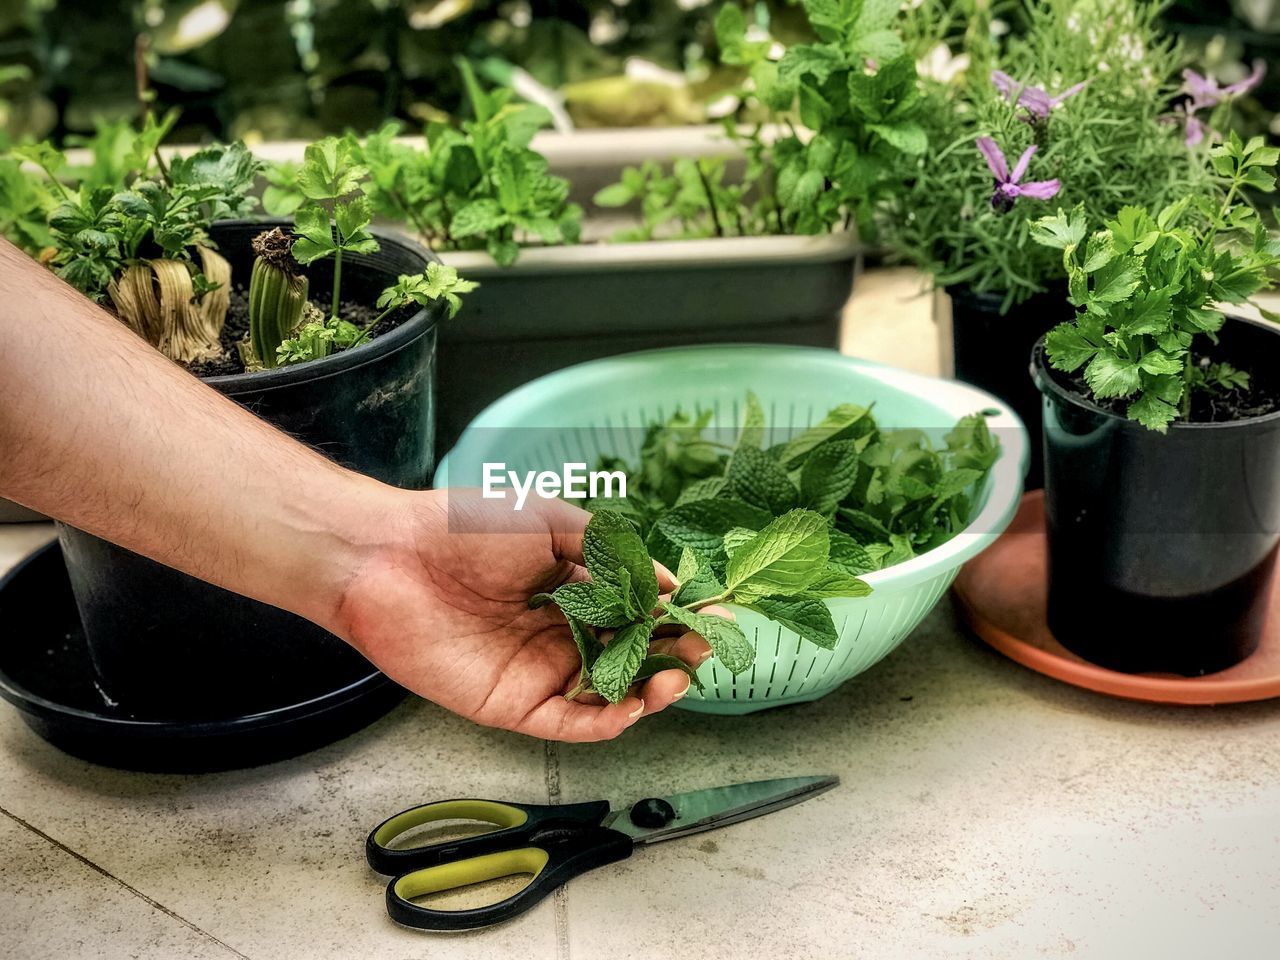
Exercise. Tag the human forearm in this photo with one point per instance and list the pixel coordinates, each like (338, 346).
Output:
(98, 429)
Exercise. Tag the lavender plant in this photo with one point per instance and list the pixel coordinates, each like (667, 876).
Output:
(1085, 98)
(1207, 97)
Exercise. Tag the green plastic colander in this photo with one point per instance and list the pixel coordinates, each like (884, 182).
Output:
(582, 412)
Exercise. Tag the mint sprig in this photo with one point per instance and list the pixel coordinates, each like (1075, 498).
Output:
(769, 571)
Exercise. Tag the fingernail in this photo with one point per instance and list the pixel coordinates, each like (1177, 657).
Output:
(706, 655)
(638, 710)
(687, 683)
(670, 576)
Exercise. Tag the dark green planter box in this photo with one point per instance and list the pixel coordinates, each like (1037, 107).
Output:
(565, 305)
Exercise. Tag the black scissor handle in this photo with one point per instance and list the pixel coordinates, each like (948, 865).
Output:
(555, 854)
(517, 823)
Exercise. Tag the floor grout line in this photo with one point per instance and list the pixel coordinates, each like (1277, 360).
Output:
(560, 899)
(155, 904)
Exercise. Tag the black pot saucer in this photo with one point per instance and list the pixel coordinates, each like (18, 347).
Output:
(45, 672)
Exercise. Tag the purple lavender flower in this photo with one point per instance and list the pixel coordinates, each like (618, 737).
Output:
(1195, 129)
(1008, 188)
(1205, 91)
(1035, 100)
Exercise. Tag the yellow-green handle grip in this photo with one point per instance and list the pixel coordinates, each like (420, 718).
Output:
(515, 825)
(557, 854)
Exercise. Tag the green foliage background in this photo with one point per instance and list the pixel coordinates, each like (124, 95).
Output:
(274, 69)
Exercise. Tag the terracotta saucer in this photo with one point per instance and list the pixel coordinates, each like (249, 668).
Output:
(1003, 594)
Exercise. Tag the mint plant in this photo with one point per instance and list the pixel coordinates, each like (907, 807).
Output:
(476, 186)
(692, 201)
(1147, 286)
(853, 88)
(779, 571)
(777, 528)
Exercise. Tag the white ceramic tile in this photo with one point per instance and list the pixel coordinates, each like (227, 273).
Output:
(984, 812)
(56, 907)
(19, 539)
(890, 320)
(271, 860)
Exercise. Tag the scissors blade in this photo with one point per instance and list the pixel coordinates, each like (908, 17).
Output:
(708, 809)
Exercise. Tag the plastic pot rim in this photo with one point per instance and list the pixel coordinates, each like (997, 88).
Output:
(958, 399)
(1043, 376)
(994, 298)
(682, 255)
(407, 333)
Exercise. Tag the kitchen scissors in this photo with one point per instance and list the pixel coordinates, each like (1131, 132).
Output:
(553, 843)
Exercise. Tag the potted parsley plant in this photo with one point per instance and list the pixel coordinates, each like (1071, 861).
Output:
(1079, 108)
(306, 321)
(1162, 428)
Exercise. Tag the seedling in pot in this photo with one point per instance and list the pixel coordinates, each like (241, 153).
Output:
(336, 215)
(141, 242)
(284, 327)
(133, 233)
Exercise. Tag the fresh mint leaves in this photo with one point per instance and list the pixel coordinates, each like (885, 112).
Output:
(477, 186)
(785, 557)
(770, 570)
(777, 530)
(883, 494)
(853, 87)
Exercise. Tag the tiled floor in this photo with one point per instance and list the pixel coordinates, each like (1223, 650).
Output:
(984, 812)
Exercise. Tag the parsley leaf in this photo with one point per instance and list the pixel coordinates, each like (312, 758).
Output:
(1147, 287)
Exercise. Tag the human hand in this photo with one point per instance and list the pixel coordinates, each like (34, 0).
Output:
(445, 613)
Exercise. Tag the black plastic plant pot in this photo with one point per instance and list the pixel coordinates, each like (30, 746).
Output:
(168, 647)
(561, 306)
(1162, 547)
(11, 512)
(990, 351)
